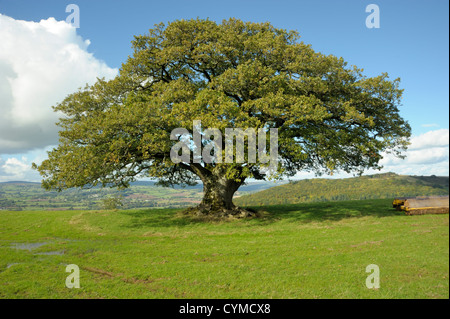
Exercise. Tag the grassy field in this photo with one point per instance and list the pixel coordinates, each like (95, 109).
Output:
(315, 250)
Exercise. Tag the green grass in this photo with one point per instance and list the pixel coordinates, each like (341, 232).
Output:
(316, 250)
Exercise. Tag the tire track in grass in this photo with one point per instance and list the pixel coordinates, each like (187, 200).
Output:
(129, 280)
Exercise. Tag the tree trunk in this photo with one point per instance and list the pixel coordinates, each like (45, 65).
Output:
(218, 199)
(218, 194)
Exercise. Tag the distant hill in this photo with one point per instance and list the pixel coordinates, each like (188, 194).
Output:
(388, 185)
(19, 195)
(19, 183)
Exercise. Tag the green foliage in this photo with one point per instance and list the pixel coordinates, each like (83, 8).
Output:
(112, 202)
(388, 185)
(329, 115)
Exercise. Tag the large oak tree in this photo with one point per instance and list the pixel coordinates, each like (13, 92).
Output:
(235, 74)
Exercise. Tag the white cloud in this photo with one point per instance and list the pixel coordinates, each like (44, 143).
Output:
(14, 169)
(428, 154)
(18, 167)
(436, 138)
(430, 125)
(40, 63)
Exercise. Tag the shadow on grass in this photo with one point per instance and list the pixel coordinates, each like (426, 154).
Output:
(330, 211)
(158, 218)
(304, 213)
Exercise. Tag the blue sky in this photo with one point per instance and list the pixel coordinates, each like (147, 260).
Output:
(411, 43)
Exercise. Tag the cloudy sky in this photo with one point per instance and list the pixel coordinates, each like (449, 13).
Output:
(43, 58)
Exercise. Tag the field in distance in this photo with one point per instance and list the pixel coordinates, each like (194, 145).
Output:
(30, 196)
(143, 194)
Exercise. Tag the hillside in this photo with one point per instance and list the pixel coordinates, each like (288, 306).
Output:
(30, 196)
(377, 186)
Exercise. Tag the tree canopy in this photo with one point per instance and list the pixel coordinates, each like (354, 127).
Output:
(235, 74)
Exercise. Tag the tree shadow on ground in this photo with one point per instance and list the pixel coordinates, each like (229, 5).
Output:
(303, 213)
(330, 211)
(159, 218)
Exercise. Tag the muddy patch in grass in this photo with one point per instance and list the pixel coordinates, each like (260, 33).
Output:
(32, 246)
(28, 246)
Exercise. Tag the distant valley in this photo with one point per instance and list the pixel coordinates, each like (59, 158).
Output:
(145, 194)
(141, 194)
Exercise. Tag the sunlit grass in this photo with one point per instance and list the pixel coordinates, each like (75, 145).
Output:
(318, 250)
